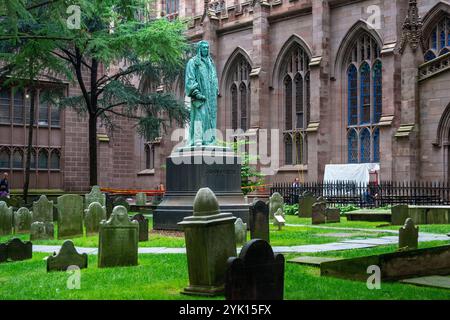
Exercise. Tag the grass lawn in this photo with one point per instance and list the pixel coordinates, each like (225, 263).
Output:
(163, 276)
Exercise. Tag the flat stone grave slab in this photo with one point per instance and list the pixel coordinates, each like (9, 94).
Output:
(312, 261)
(431, 281)
(394, 266)
(376, 241)
(371, 215)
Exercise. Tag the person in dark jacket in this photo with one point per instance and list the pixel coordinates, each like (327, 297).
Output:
(4, 186)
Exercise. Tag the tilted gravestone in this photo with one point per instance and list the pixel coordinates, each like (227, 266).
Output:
(42, 231)
(276, 202)
(70, 215)
(17, 250)
(143, 226)
(92, 217)
(3, 252)
(67, 256)
(319, 213)
(408, 236)
(210, 241)
(259, 221)
(305, 204)
(118, 240)
(42, 210)
(240, 231)
(121, 201)
(141, 199)
(94, 196)
(279, 220)
(257, 274)
(22, 221)
(6, 219)
(399, 214)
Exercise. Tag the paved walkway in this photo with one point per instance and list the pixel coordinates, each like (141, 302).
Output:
(312, 248)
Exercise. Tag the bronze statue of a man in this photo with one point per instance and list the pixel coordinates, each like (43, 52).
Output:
(202, 87)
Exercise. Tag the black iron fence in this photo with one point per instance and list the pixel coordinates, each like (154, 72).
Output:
(369, 196)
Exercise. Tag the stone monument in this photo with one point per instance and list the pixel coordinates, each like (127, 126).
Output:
(70, 216)
(143, 226)
(118, 240)
(42, 210)
(259, 220)
(201, 163)
(210, 241)
(276, 202)
(66, 257)
(93, 215)
(141, 199)
(42, 231)
(408, 238)
(6, 219)
(240, 230)
(305, 205)
(94, 196)
(22, 220)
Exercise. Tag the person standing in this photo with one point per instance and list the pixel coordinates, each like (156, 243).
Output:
(4, 186)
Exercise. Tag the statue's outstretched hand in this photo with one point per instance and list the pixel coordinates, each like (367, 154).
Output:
(201, 97)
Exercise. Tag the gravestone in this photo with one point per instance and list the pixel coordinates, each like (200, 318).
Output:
(94, 196)
(276, 202)
(118, 240)
(143, 226)
(92, 217)
(319, 213)
(42, 210)
(240, 231)
(121, 201)
(408, 236)
(279, 220)
(259, 221)
(67, 256)
(257, 274)
(3, 253)
(109, 204)
(305, 205)
(17, 250)
(210, 241)
(6, 219)
(42, 231)
(333, 215)
(399, 214)
(22, 221)
(70, 216)
(141, 199)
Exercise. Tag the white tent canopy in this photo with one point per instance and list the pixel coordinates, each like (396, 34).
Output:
(358, 172)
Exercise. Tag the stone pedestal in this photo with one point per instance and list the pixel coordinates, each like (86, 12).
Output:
(190, 169)
(210, 241)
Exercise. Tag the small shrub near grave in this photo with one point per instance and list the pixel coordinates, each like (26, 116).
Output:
(291, 209)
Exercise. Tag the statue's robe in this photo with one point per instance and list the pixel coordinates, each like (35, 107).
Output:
(201, 79)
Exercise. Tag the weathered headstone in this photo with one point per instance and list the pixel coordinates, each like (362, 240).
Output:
(276, 202)
(319, 213)
(70, 216)
(257, 274)
(94, 196)
(240, 230)
(67, 256)
(399, 214)
(210, 241)
(333, 215)
(92, 217)
(143, 226)
(141, 199)
(118, 240)
(408, 236)
(22, 221)
(18, 250)
(279, 220)
(42, 231)
(121, 201)
(6, 219)
(109, 204)
(305, 205)
(259, 221)
(42, 210)
(3, 252)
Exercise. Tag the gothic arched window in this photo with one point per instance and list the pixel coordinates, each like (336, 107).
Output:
(438, 42)
(296, 89)
(17, 160)
(364, 100)
(5, 159)
(5, 101)
(43, 159)
(149, 156)
(18, 107)
(55, 159)
(239, 85)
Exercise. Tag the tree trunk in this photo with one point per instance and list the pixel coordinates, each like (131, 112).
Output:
(92, 150)
(30, 144)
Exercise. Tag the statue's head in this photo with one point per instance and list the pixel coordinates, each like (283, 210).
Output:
(203, 48)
